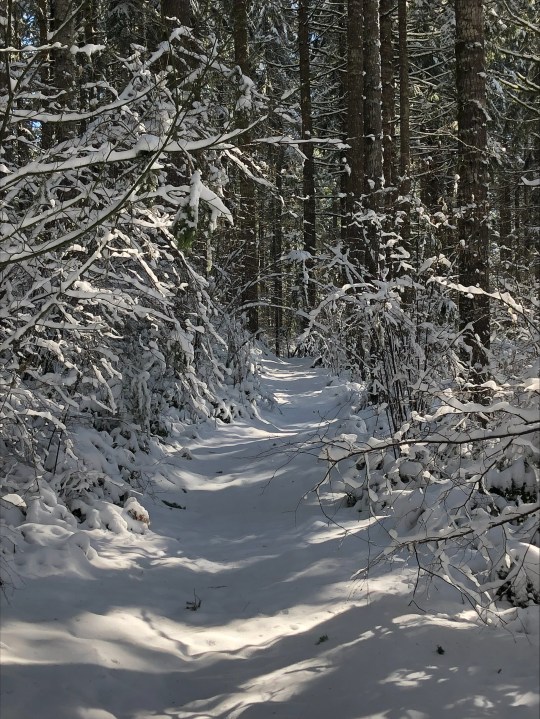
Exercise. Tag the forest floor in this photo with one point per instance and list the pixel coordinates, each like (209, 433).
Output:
(238, 602)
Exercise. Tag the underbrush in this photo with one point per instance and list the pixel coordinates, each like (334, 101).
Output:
(111, 333)
(78, 458)
(445, 457)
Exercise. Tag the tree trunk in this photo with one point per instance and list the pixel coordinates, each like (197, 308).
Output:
(507, 241)
(277, 249)
(388, 98)
(355, 129)
(341, 185)
(473, 229)
(404, 128)
(64, 68)
(308, 170)
(245, 220)
(180, 9)
(387, 8)
(372, 133)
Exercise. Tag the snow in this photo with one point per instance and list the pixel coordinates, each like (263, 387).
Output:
(88, 49)
(237, 601)
(529, 556)
(532, 384)
(531, 183)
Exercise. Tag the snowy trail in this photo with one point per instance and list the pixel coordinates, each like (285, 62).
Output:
(281, 631)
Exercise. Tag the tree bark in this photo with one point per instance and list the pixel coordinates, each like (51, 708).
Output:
(64, 68)
(388, 98)
(507, 240)
(404, 127)
(355, 129)
(277, 249)
(372, 133)
(308, 170)
(246, 221)
(473, 228)
(180, 9)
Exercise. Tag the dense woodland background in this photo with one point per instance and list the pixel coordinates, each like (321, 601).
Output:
(356, 181)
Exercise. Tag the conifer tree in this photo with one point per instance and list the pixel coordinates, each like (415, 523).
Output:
(472, 202)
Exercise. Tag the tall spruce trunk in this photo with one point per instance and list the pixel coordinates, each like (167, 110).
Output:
(64, 67)
(473, 209)
(246, 220)
(404, 127)
(180, 9)
(388, 99)
(387, 9)
(373, 161)
(308, 170)
(277, 250)
(355, 130)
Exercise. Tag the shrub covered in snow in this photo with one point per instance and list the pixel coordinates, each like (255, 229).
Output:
(449, 467)
(111, 334)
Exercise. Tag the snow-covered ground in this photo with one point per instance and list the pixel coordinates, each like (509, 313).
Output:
(238, 602)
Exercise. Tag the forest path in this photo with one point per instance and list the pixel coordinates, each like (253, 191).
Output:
(240, 606)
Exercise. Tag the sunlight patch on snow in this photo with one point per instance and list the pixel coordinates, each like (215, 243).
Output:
(406, 678)
(244, 638)
(278, 686)
(415, 620)
(321, 531)
(528, 699)
(315, 569)
(94, 713)
(204, 566)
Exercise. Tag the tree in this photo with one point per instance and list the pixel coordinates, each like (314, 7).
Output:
(373, 159)
(246, 216)
(387, 8)
(355, 128)
(473, 207)
(180, 9)
(404, 128)
(308, 170)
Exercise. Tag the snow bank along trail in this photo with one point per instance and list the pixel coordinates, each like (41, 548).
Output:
(238, 602)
